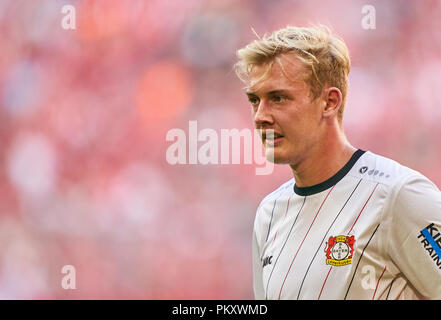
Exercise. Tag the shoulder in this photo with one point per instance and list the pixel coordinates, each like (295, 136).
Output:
(403, 188)
(407, 190)
(379, 169)
(265, 210)
(417, 199)
(276, 193)
(396, 179)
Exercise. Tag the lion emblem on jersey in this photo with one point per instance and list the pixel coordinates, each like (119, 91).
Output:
(339, 250)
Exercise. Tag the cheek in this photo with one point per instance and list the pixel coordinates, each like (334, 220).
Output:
(310, 114)
(301, 123)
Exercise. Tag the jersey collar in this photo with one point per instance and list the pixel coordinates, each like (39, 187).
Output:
(307, 191)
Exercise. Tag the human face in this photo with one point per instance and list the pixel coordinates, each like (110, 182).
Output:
(282, 102)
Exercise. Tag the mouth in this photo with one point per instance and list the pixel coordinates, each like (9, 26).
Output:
(272, 138)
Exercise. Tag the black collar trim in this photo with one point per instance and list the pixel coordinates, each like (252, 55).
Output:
(307, 191)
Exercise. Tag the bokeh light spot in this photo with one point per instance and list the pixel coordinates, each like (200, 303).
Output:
(164, 91)
(32, 165)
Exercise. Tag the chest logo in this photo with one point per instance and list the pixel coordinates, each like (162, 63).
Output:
(267, 261)
(339, 250)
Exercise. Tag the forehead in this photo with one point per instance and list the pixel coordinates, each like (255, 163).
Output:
(284, 72)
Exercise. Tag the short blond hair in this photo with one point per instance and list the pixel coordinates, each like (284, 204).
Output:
(324, 55)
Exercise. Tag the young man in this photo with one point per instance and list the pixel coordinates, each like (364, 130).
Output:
(351, 224)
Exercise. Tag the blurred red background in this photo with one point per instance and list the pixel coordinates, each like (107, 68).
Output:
(84, 114)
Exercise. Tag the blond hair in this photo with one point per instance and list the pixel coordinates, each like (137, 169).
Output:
(324, 54)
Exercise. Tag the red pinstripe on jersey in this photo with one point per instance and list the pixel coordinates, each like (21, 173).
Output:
(378, 282)
(362, 209)
(287, 206)
(281, 288)
(324, 283)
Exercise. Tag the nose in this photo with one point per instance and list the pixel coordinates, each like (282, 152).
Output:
(262, 115)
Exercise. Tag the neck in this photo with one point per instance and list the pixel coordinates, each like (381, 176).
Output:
(324, 161)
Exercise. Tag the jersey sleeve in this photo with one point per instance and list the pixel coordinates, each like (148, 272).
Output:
(414, 241)
(257, 270)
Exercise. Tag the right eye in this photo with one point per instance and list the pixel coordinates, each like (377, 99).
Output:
(254, 100)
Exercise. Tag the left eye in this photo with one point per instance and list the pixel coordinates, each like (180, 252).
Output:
(279, 99)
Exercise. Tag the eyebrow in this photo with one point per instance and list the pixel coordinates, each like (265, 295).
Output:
(270, 93)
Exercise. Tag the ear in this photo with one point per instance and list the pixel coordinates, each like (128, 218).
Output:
(332, 98)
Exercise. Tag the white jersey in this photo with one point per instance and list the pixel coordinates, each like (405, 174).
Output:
(372, 231)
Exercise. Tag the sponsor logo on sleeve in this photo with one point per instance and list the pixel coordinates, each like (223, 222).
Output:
(431, 240)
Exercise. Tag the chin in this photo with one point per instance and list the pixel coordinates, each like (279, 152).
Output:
(278, 156)
(280, 161)
(275, 157)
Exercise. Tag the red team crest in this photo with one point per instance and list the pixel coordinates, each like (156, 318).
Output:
(340, 250)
